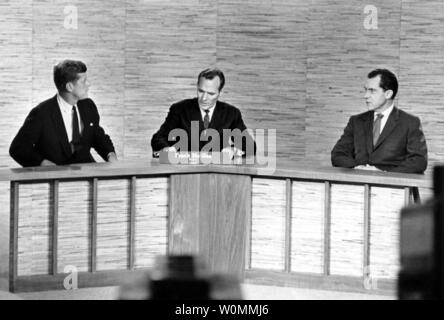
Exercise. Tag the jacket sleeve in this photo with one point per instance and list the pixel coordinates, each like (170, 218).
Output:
(342, 154)
(246, 143)
(160, 138)
(416, 159)
(101, 142)
(22, 147)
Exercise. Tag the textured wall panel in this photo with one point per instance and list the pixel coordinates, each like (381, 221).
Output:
(262, 47)
(74, 222)
(422, 70)
(307, 227)
(268, 224)
(151, 234)
(112, 224)
(99, 41)
(385, 210)
(16, 71)
(340, 54)
(34, 229)
(167, 45)
(347, 230)
(295, 66)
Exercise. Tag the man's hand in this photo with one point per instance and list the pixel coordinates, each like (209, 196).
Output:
(367, 167)
(166, 149)
(112, 157)
(229, 151)
(169, 149)
(46, 163)
(233, 152)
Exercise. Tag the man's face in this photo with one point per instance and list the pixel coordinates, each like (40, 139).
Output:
(79, 87)
(208, 92)
(375, 97)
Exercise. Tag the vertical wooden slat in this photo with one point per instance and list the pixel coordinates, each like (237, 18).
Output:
(13, 241)
(407, 199)
(288, 216)
(415, 195)
(94, 226)
(55, 225)
(132, 223)
(327, 224)
(248, 230)
(170, 210)
(366, 255)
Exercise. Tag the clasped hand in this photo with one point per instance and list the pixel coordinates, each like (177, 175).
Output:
(231, 151)
(367, 167)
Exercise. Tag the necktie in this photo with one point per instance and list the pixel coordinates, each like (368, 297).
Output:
(206, 119)
(377, 128)
(75, 130)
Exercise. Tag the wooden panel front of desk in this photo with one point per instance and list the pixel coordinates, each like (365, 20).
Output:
(105, 229)
(324, 230)
(208, 218)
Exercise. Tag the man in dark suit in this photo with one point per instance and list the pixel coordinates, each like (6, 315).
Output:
(204, 123)
(62, 129)
(385, 137)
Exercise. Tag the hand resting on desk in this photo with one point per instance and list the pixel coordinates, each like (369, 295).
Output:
(367, 167)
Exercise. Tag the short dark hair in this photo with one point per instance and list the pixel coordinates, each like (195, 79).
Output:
(387, 80)
(67, 71)
(211, 73)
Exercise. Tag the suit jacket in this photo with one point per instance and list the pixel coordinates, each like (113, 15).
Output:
(43, 136)
(182, 113)
(401, 147)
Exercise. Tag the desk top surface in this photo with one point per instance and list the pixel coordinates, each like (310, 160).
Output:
(278, 168)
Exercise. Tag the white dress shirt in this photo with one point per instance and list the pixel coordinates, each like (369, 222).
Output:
(385, 114)
(210, 113)
(67, 114)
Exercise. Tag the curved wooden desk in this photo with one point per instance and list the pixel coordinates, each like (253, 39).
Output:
(301, 225)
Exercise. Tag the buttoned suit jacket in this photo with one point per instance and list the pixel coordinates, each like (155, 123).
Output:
(401, 146)
(43, 136)
(181, 115)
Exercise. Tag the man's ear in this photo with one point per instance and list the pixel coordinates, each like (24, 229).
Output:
(389, 94)
(69, 86)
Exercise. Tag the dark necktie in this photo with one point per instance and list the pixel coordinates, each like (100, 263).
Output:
(206, 119)
(377, 128)
(75, 130)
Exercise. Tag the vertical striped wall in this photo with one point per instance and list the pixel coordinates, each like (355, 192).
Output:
(340, 53)
(292, 65)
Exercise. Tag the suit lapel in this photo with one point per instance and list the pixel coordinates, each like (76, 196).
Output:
(217, 116)
(391, 123)
(59, 125)
(368, 127)
(195, 114)
(84, 118)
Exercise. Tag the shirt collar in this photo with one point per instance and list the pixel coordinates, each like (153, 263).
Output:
(386, 112)
(64, 106)
(210, 110)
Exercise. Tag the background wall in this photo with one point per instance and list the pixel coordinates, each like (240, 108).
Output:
(292, 65)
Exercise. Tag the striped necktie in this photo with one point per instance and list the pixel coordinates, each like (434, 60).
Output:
(206, 119)
(377, 128)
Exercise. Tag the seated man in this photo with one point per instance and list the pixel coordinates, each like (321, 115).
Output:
(205, 122)
(62, 129)
(384, 137)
